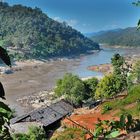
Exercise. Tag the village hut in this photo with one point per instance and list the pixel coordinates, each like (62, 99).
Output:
(48, 117)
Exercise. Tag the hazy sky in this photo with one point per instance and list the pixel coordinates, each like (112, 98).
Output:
(88, 15)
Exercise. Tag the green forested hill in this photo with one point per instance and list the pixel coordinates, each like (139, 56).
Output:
(29, 33)
(123, 37)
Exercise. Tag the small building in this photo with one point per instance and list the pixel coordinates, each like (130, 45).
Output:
(49, 117)
(90, 103)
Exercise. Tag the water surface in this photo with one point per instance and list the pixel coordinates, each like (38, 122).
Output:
(102, 57)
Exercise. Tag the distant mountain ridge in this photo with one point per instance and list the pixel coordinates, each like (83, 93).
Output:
(100, 32)
(29, 33)
(129, 37)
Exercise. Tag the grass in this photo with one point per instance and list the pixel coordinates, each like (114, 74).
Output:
(70, 134)
(134, 111)
(133, 98)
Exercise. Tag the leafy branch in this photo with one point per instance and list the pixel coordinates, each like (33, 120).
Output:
(5, 111)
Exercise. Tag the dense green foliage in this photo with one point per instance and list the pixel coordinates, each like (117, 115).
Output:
(133, 97)
(76, 90)
(107, 129)
(5, 111)
(91, 85)
(116, 82)
(30, 33)
(134, 77)
(5, 116)
(120, 72)
(4, 56)
(106, 87)
(72, 88)
(34, 133)
(129, 37)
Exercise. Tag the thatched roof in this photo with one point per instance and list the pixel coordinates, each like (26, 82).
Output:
(47, 115)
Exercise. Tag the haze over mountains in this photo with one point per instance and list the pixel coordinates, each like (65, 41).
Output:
(128, 37)
(29, 33)
(100, 32)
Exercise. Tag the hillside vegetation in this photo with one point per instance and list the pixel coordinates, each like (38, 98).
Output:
(30, 33)
(119, 93)
(129, 37)
(130, 104)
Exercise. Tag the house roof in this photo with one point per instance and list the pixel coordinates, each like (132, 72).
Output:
(46, 115)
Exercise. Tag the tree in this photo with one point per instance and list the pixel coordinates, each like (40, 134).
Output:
(134, 77)
(128, 37)
(72, 88)
(5, 111)
(4, 56)
(106, 87)
(91, 85)
(117, 61)
(136, 71)
(137, 3)
(33, 34)
(120, 72)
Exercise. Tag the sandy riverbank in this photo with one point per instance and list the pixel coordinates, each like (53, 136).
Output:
(104, 68)
(108, 68)
(32, 77)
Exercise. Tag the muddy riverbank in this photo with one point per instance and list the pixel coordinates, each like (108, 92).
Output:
(30, 78)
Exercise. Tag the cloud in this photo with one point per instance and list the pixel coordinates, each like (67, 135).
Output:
(58, 19)
(70, 22)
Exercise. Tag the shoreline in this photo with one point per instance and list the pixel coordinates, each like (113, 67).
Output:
(31, 77)
(103, 68)
(89, 77)
(119, 46)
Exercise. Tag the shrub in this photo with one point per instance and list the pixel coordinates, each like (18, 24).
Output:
(111, 129)
(20, 136)
(34, 133)
(106, 108)
(106, 87)
(91, 85)
(72, 88)
(70, 134)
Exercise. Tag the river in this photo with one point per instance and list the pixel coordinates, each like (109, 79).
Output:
(32, 79)
(97, 58)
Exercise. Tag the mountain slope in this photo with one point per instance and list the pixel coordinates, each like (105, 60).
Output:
(129, 37)
(29, 33)
(92, 34)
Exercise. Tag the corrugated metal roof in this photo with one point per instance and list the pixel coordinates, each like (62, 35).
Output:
(47, 115)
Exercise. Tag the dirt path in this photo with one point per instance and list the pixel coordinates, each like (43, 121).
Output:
(88, 118)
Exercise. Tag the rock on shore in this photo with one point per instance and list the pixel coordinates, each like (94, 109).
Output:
(43, 98)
